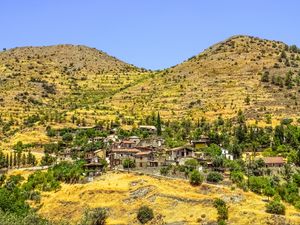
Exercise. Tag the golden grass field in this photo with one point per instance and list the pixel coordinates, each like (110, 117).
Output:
(172, 201)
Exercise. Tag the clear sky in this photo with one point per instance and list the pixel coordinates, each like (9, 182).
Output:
(154, 34)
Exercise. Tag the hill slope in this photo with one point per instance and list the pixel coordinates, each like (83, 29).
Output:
(173, 202)
(218, 81)
(61, 78)
(58, 82)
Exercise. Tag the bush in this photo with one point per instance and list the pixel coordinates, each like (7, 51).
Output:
(196, 177)
(95, 216)
(214, 177)
(258, 184)
(265, 77)
(191, 164)
(128, 163)
(222, 210)
(67, 137)
(68, 172)
(145, 214)
(164, 171)
(237, 176)
(275, 207)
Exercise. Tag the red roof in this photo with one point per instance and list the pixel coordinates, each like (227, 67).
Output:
(143, 153)
(273, 160)
(125, 150)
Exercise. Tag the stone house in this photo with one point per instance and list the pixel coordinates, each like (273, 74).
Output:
(180, 154)
(273, 161)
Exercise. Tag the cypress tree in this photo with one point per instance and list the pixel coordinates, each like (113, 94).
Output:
(11, 160)
(23, 159)
(15, 159)
(158, 125)
(19, 156)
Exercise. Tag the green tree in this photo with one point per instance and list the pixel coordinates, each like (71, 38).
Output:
(275, 207)
(95, 216)
(158, 122)
(196, 178)
(265, 76)
(214, 177)
(145, 214)
(222, 209)
(247, 100)
(289, 79)
(269, 191)
(128, 163)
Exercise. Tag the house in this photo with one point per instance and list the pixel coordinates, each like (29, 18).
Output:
(93, 164)
(101, 153)
(91, 157)
(124, 144)
(151, 142)
(180, 154)
(146, 159)
(97, 127)
(226, 154)
(119, 154)
(273, 161)
(201, 143)
(111, 138)
(134, 139)
(94, 168)
(127, 144)
(65, 155)
(96, 139)
(150, 129)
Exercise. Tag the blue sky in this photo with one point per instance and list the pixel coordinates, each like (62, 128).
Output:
(154, 34)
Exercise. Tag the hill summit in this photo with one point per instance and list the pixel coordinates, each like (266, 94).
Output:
(241, 73)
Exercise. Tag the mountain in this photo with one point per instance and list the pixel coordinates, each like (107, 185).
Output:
(59, 78)
(243, 72)
(221, 80)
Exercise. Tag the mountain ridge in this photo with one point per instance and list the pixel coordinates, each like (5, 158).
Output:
(76, 79)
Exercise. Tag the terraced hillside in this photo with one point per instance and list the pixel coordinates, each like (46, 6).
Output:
(65, 83)
(59, 78)
(221, 80)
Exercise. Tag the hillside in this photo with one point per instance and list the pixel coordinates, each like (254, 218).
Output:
(67, 83)
(173, 202)
(218, 80)
(42, 80)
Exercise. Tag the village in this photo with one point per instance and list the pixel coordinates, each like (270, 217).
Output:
(150, 155)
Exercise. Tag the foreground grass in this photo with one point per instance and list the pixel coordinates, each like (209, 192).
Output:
(172, 201)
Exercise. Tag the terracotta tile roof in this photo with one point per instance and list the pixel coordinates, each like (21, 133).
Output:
(127, 142)
(143, 153)
(125, 150)
(273, 160)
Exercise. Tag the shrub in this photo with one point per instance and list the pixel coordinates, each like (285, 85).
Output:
(275, 207)
(269, 191)
(191, 164)
(214, 177)
(128, 163)
(67, 137)
(95, 216)
(145, 214)
(164, 171)
(237, 176)
(265, 77)
(258, 184)
(222, 210)
(196, 178)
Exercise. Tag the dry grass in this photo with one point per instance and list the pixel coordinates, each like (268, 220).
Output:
(173, 200)
(95, 86)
